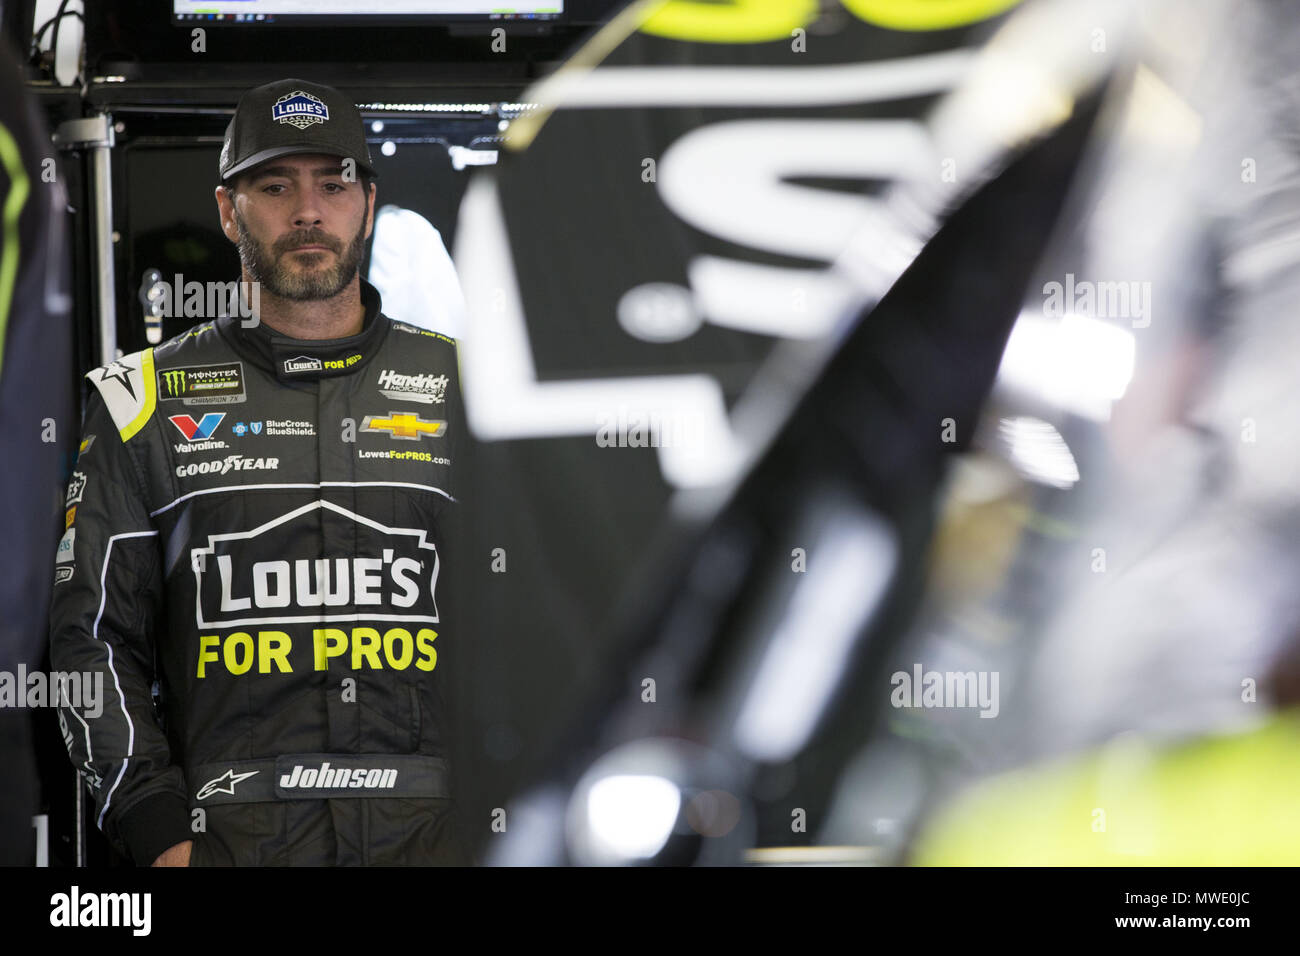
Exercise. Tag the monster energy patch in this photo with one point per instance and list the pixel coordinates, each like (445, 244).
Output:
(203, 384)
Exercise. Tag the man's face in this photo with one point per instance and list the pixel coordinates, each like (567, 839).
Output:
(300, 226)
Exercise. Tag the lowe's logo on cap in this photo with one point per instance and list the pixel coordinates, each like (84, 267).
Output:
(299, 109)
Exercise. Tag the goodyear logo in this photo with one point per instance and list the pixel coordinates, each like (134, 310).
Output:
(299, 109)
(404, 425)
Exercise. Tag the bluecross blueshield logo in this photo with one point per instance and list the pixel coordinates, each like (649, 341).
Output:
(255, 427)
(239, 428)
(197, 431)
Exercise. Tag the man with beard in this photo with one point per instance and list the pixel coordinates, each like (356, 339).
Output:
(255, 531)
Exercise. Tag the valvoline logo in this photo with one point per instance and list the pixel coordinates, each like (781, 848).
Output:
(197, 431)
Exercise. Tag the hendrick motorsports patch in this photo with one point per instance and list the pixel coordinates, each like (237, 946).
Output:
(424, 387)
(203, 384)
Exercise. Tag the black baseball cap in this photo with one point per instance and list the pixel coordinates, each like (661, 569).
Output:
(292, 116)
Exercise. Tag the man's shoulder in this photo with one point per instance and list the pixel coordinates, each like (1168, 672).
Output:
(126, 387)
(419, 334)
(129, 385)
(203, 341)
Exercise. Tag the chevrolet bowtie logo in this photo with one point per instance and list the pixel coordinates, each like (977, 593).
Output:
(405, 425)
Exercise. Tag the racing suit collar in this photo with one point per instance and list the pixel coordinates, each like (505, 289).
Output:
(301, 360)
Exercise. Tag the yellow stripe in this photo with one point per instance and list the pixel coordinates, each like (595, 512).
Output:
(150, 396)
(926, 14)
(760, 21)
(1222, 800)
(741, 21)
(12, 158)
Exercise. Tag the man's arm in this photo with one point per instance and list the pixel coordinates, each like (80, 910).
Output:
(107, 597)
(179, 855)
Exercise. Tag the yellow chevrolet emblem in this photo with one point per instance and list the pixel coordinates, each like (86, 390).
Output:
(406, 425)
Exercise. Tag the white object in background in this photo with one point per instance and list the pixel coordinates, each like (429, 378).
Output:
(462, 156)
(410, 267)
(41, 823)
(68, 58)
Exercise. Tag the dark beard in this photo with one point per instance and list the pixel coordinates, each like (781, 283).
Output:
(263, 265)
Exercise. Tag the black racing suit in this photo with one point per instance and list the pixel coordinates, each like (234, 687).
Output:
(252, 564)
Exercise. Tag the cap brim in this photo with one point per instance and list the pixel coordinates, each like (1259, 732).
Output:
(277, 151)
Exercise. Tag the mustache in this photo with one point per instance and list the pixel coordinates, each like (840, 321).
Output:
(300, 239)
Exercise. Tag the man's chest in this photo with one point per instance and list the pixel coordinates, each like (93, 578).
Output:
(385, 423)
(304, 516)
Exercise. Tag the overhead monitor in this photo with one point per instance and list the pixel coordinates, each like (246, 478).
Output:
(308, 13)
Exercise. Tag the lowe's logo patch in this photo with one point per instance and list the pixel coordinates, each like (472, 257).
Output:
(273, 574)
(302, 363)
(299, 109)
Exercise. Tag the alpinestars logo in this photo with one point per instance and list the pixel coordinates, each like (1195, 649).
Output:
(412, 388)
(299, 109)
(223, 784)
